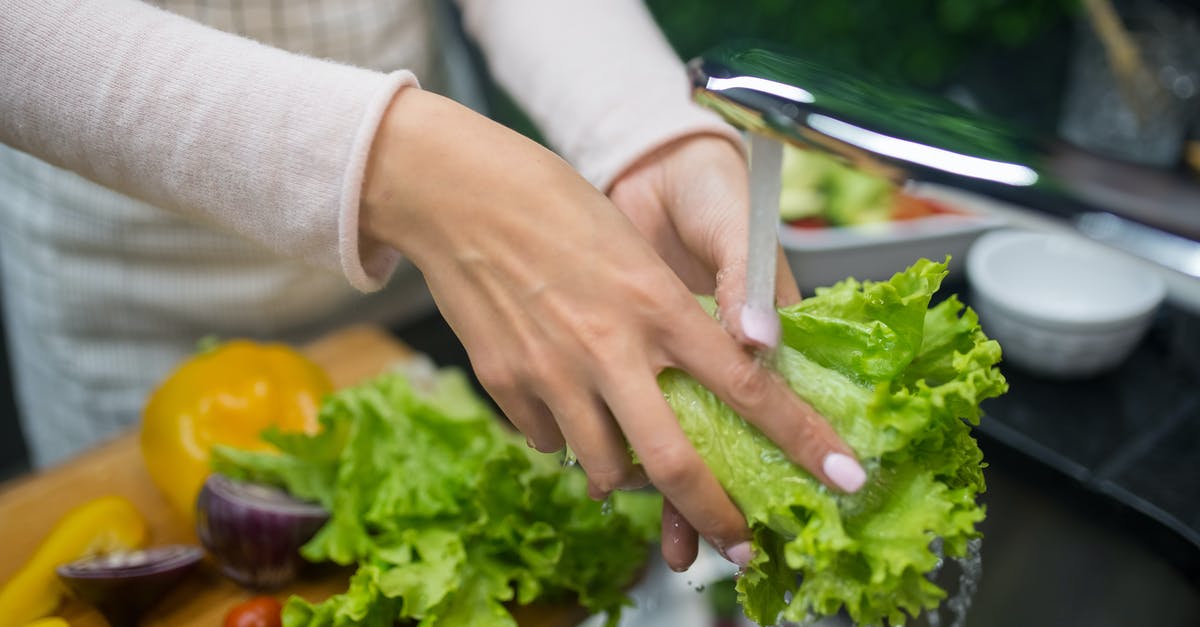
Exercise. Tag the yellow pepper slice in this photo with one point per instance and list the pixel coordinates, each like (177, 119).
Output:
(225, 395)
(52, 621)
(102, 525)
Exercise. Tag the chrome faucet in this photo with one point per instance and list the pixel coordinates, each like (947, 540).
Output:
(908, 135)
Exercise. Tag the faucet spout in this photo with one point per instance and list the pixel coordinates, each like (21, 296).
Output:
(904, 135)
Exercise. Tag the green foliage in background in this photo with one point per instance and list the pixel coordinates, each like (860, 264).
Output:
(921, 42)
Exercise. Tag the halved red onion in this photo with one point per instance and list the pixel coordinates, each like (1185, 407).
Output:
(255, 531)
(123, 585)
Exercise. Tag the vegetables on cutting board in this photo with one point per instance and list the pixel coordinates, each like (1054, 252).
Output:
(122, 585)
(260, 611)
(901, 382)
(447, 514)
(102, 525)
(226, 395)
(255, 532)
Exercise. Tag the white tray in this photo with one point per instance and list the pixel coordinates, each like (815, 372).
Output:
(823, 256)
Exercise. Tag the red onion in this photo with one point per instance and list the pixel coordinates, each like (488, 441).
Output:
(255, 531)
(123, 585)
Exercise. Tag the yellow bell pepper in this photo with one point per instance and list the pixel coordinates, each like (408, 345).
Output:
(102, 525)
(225, 395)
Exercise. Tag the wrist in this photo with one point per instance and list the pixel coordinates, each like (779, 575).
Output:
(439, 174)
(702, 149)
(381, 186)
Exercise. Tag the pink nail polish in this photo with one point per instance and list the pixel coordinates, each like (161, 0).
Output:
(761, 327)
(739, 554)
(844, 471)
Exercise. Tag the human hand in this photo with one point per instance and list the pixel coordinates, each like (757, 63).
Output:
(566, 311)
(690, 200)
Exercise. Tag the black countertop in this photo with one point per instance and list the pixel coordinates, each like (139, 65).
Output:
(1131, 436)
(1093, 495)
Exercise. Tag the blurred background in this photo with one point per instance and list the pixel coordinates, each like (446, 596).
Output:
(1007, 56)
(1010, 56)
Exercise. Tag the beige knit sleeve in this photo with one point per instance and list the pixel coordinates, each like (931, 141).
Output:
(265, 143)
(597, 76)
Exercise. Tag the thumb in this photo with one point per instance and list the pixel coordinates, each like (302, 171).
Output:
(752, 328)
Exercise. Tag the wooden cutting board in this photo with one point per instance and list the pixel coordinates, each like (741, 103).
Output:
(30, 505)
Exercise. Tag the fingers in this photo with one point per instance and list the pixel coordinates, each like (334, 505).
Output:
(635, 479)
(531, 417)
(764, 399)
(680, 543)
(596, 441)
(750, 327)
(787, 290)
(672, 463)
(595, 438)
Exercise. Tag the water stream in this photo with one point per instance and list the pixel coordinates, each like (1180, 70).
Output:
(970, 570)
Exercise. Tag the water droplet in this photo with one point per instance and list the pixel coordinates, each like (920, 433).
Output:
(771, 456)
(936, 548)
(606, 508)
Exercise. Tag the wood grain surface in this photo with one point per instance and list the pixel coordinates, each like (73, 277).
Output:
(30, 505)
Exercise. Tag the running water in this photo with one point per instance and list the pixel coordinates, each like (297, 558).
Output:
(970, 570)
(932, 617)
(968, 582)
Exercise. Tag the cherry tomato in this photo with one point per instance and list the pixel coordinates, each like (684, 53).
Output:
(814, 222)
(257, 612)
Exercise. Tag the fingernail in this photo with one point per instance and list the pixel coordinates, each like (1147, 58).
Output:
(843, 471)
(761, 327)
(739, 554)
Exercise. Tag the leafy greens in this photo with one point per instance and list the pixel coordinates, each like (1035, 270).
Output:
(900, 382)
(447, 513)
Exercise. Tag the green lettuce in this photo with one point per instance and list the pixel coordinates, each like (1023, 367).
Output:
(901, 382)
(448, 514)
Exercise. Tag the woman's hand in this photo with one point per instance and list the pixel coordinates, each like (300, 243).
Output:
(690, 200)
(567, 312)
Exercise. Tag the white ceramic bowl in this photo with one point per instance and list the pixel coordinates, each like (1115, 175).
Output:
(1059, 305)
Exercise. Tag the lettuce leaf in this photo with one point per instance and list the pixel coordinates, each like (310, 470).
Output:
(901, 382)
(448, 515)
